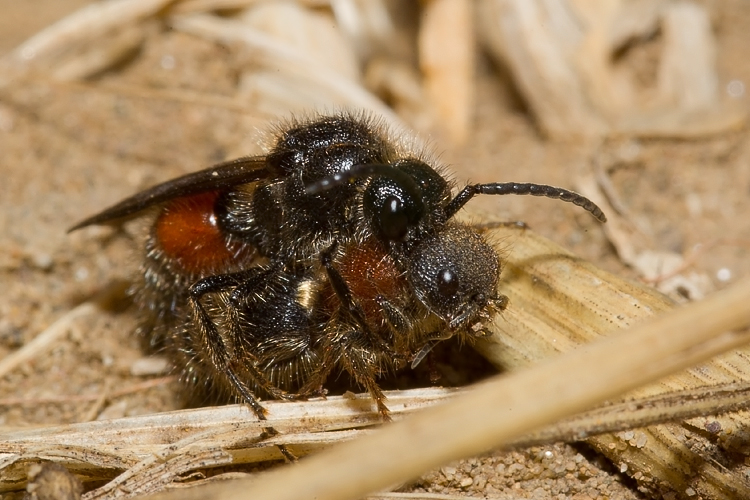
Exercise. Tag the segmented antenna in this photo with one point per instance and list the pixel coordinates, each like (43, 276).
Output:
(501, 188)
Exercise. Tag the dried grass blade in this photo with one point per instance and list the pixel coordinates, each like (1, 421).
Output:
(496, 411)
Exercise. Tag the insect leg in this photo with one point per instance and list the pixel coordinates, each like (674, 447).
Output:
(213, 343)
(395, 317)
(351, 349)
(341, 287)
(359, 362)
(275, 328)
(401, 326)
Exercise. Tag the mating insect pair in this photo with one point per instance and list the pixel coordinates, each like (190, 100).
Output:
(336, 251)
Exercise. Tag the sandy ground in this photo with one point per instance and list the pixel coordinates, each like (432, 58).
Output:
(70, 150)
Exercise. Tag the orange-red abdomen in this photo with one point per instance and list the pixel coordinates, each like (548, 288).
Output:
(188, 233)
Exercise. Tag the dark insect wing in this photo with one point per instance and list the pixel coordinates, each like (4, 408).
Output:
(220, 176)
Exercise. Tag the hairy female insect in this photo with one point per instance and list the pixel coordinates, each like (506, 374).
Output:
(336, 251)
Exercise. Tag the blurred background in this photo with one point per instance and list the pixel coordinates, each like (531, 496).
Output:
(640, 105)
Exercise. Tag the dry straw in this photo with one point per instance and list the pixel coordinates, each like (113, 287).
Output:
(559, 303)
(507, 406)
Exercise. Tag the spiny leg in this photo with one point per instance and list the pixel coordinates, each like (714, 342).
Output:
(341, 287)
(214, 344)
(314, 385)
(237, 301)
(402, 328)
(340, 351)
(363, 372)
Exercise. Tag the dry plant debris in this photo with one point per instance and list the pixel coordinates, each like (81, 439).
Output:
(553, 316)
(51, 481)
(603, 301)
(194, 77)
(153, 441)
(568, 75)
(495, 411)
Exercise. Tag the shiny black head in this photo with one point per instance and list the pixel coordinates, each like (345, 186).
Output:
(400, 204)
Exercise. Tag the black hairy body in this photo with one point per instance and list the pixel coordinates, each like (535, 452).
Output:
(335, 251)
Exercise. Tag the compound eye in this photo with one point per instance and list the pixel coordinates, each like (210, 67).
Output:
(394, 223)
(447, 283)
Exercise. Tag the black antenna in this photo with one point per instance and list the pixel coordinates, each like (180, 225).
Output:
(502, 188)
